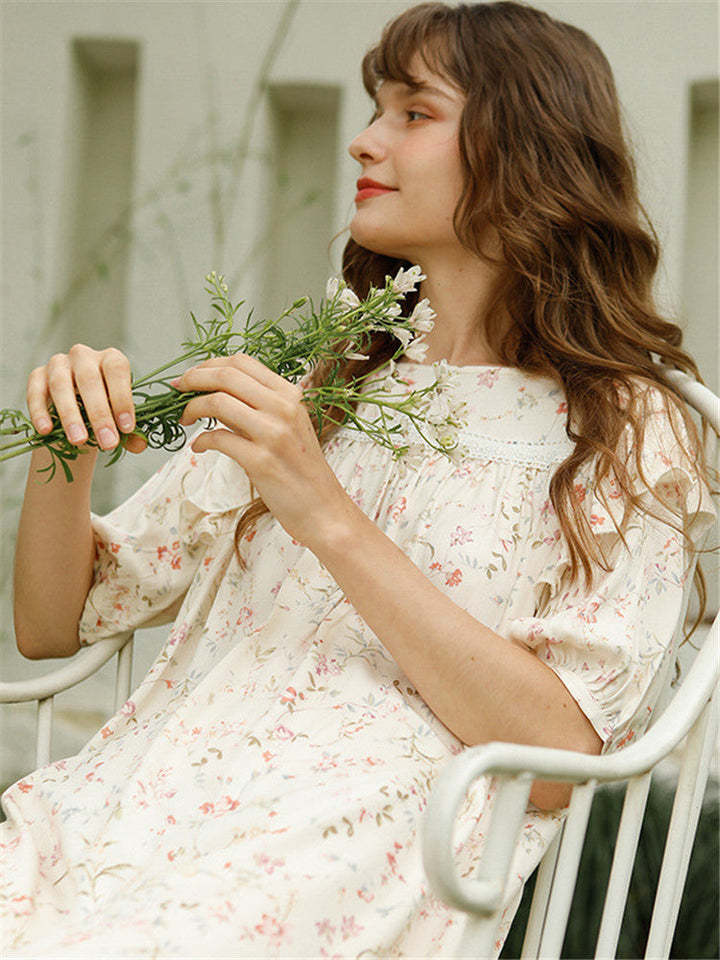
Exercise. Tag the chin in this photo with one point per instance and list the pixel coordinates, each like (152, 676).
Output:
(377, 241)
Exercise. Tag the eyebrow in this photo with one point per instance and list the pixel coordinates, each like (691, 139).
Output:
(409, 89)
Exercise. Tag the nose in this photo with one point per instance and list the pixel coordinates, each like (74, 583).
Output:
(368, 147)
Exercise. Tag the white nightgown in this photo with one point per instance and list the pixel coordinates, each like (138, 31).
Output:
(262, 792)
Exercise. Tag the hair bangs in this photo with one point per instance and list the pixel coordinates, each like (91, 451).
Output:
(424, 31)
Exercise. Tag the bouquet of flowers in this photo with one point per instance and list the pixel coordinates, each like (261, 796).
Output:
(292, 346)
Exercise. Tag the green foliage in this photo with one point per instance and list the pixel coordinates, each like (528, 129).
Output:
(338, 331)
(696, 934)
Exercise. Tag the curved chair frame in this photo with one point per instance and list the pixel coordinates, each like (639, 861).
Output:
(692, 715)
(42, 690)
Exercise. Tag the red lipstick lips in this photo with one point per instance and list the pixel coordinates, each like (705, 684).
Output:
(370, 188)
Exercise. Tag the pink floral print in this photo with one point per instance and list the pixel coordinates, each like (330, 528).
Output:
(262, 793)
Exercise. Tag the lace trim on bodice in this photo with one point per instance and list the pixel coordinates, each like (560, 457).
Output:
(531, 453)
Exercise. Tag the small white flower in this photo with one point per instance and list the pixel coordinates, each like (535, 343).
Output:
(456, 453)
(337, 290)
(444, 436)
(402, 334)
(406, 280)
(348, 298)
(415, 351)
(412, 458)
(443, 374)
(416, 453)
(422, 317)
(438, 409)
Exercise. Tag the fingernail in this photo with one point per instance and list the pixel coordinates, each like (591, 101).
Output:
(76, 433)
(125, 421)
(175, 381)
(43, 424)
(106, 438)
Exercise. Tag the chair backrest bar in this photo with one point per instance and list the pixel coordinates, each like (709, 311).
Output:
(565, 877)
(43, 690)
(541, 897)
(681, 832)
(43, 731)
(626, 844)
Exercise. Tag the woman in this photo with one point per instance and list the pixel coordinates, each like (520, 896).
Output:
(338, 638)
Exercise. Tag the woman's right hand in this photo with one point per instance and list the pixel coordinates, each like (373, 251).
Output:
(102, 380)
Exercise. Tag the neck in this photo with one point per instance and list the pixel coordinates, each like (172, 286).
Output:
(460, 294)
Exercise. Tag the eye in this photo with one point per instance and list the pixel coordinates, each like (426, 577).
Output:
(417, 115)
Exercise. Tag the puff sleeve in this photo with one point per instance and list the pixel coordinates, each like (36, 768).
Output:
(613, 645)
(148, 550)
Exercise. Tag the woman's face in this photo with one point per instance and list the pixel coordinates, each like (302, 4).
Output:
(411, 178)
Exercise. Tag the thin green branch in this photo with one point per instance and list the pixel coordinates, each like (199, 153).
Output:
(341, 327)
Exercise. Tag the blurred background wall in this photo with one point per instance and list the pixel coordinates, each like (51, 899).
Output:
(146, 143)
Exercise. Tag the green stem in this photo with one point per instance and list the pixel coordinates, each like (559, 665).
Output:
(14, 443)
(10, 456)
(27, 448)
(211, 346)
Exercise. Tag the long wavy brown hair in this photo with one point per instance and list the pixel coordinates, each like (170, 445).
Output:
(547, 167)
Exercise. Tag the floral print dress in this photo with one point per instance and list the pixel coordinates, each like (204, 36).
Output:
(262, 792)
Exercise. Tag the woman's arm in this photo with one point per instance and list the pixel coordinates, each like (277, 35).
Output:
(482, 686)
(53, 559)
(55, 547)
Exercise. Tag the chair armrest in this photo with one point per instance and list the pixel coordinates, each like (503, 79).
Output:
(81, 666)
(572, 767)
(519, 765)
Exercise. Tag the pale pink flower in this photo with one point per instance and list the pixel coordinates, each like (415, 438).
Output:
(22, 906)
(460, 535)
(350, 928)
(325, 928)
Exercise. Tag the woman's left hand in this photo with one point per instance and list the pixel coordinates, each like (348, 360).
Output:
(268, 431)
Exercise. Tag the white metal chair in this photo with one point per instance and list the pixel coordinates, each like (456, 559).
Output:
(43, 690)
(692, 713)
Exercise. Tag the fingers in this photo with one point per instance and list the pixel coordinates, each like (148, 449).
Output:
(231, 412)
(225, 379)
(99, 381)
(116, 374)
(37, 400)
(225, 441)
(252, 368)
(244, 395)
(135, 443)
